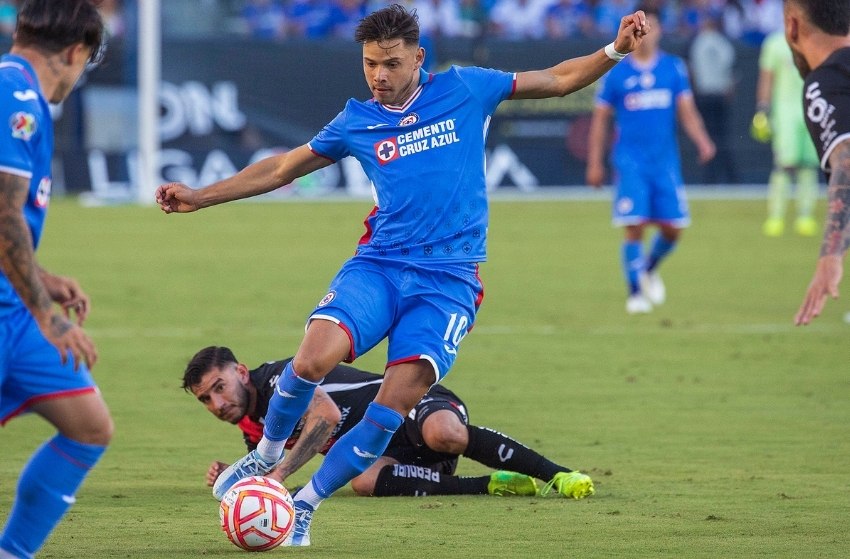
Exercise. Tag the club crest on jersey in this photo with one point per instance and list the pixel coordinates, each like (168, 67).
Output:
(386, 150)
(408, 119)
(23, 125)
(327, 299)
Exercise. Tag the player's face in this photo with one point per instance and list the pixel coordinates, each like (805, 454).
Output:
(224, 392)
(392, 70)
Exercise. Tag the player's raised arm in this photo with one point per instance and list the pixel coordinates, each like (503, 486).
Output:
(836, 238)
(258, 178)
(576, 73)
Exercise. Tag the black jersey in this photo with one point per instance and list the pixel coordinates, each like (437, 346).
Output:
(352, 390)
(826, 99)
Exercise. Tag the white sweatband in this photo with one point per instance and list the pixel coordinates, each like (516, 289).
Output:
(613, 54)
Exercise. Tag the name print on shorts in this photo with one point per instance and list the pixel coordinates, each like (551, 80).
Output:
(421, 139)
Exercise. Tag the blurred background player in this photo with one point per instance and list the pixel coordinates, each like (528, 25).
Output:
(645, 95)
(421, 457)
(779, 120)
(818, 32)
(44, 357)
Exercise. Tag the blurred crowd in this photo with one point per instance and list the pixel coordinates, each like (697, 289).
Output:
(745, 20)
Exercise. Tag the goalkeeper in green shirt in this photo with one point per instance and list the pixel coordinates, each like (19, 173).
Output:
(779, 120)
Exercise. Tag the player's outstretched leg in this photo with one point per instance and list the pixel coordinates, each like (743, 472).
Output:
(570, 484)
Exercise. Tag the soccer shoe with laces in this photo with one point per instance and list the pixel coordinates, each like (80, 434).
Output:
(806, 226)
(773, 227)
(653, 287)
(249, 465)
(300, 534)
(504, 483)
(570, 484)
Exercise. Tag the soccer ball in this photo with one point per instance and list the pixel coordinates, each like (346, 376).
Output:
(257, 514)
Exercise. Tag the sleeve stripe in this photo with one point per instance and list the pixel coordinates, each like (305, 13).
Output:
(15, 171)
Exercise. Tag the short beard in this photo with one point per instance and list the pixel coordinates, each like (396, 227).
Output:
(801, 64)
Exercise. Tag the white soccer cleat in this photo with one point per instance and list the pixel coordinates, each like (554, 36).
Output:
(250, 465)
(300, 534)
(638, 304)
(653, 286)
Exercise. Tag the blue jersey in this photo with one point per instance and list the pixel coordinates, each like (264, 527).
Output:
(426, 163)
(643, 97)
(26, 147)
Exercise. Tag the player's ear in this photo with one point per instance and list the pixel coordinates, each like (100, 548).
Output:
(242, 371)
(420, 57)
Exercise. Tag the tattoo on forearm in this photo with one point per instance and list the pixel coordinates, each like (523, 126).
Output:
(309, 444)
(17, 258)
(836, 238)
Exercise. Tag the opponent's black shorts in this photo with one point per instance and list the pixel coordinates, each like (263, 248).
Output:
(408, 446)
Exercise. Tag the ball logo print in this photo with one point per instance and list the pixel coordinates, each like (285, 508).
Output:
(256, 514)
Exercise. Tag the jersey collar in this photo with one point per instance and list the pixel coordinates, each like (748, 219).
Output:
(424, 78)
(22, 64)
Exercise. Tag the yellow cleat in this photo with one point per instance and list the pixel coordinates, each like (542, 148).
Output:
(575, 485)
(806, 226)
(504, 483)
(773, 227)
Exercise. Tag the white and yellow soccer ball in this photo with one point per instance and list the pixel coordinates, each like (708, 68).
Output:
(256, 513)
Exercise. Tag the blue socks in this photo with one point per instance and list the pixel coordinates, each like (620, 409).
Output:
(46, 490)
(356, 450)
(632, 262)
(288, 403)
(661, 247)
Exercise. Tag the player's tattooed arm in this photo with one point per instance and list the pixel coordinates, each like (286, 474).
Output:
(836, 238)
(319, 421)
(17, 257)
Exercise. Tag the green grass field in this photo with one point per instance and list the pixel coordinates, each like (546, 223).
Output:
(712, 427)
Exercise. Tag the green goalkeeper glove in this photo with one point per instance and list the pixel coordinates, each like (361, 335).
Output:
(760, 128)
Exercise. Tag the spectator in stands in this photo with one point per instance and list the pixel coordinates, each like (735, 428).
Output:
(712, 60)
(760, 18)
(309, 18)
(112, 13)
(607, 14)
(569, 18)
(8, 16)
(344, 17)
(264, 19)
(517, 20)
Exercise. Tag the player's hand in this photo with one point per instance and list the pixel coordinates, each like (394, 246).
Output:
(70, 296)
(176, 197)
(214, 471)
(633, 28)
(595, 175)
(828, 274)
(760, 127)
(69, 338)
(706, 151)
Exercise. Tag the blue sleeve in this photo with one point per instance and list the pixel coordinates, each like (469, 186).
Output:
(491, 87)
(20, 123)
(332, 140)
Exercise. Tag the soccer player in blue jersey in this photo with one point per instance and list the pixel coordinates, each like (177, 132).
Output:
(45, 357)
(646, 95)
(414, 277)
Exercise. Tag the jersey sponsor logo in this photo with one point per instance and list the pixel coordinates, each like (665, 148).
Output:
(820, 113)
(327, 298)
(647, 100)
(624, 206)
(23, 125)
(42, 195)
(386, 151)
(409, 119)
(26, 95)
(424, 138)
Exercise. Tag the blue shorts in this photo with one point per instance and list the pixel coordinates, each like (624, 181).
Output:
(30, 368)
(649, 193)
(423, 311)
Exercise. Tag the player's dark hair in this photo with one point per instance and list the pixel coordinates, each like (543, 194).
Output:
(53, 25)
(212, 357)
(830, 16)
(392, 22)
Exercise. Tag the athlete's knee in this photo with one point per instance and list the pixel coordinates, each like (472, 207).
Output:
(363, 485)
(95, 431)
(444, 432)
